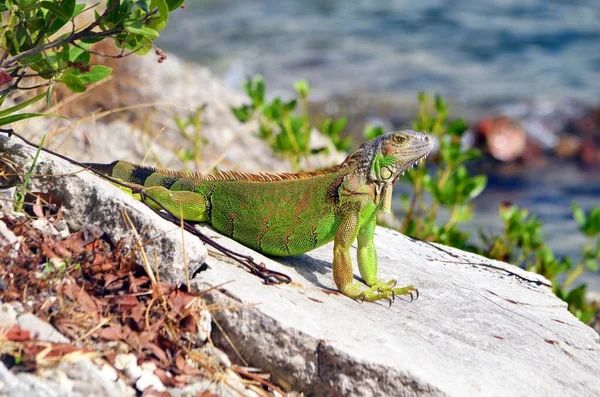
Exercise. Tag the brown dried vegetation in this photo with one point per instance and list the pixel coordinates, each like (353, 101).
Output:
(95, 293)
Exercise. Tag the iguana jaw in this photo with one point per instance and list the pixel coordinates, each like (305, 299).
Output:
(409, 166)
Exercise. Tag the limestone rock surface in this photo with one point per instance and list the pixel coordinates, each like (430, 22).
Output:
(479, 327)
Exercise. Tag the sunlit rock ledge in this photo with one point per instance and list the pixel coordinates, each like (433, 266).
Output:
(479, 327)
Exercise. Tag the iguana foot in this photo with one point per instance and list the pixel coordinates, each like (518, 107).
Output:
(379, 291)
(383, 286)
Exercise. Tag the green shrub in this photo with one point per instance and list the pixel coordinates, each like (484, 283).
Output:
(287, 133)
(42, 39)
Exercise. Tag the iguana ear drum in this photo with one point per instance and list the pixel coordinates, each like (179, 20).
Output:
(385, 173)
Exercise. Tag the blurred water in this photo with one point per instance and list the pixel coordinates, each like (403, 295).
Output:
(472, 51)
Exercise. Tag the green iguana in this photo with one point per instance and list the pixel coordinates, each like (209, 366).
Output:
(292, 213)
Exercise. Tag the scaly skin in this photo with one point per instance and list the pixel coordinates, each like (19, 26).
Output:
(290, 214)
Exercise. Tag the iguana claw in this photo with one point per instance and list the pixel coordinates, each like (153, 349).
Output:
(379, 291)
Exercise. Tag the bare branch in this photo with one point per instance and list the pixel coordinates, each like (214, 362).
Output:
(33, 87)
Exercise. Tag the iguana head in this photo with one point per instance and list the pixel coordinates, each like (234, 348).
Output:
(396, 152)
(390, 156)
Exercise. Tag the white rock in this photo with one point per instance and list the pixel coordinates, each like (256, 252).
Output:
(8, 240)
(40, 329)
(148, 379)
(204, 326)
(44, 226)
(8, 315)
(474, 331)
(107, 372)
(128, 364)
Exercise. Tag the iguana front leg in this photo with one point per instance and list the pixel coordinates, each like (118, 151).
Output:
(342, 263)
(367, 261)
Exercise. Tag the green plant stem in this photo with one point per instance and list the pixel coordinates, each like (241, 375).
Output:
(21, 195)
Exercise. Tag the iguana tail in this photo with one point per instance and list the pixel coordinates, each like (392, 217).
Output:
(137, 174)
(182, 201)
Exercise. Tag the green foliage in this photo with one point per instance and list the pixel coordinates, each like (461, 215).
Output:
(42, 39)
(332, 129)
(20, 195)
(522, 243)
(192, 122)
(371, 132)
(7, 116)
(285, 128)
(450, 186)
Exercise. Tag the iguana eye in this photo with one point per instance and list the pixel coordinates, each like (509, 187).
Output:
(399, 138)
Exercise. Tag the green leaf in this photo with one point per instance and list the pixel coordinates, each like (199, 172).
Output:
(49, 96)
(21, 105)
(145, 31)
(144, 46)
(76, 51)
(302, 88)
(31, 7)
(113, 15)
(578, 215)
(23, 116)
(157, 24)
(468, 155)
(479, 183)
(594, 222)
(440, 104)
(290, 106)
(73, 83)
(174, 4)
(242, 113)
(163, 9)
(258, 92)
(143, 5)
(35, 24)
(56, 9)
(31, 59)
(91, 40)
(457, 127)
(340, 125)
(591, 265)
(463, 213)
(79, 9)
(97, 73)
(371, 132)
(56, 25)
(67, 8)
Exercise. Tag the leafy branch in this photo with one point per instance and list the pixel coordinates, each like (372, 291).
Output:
(31, 38)
(34, 44)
